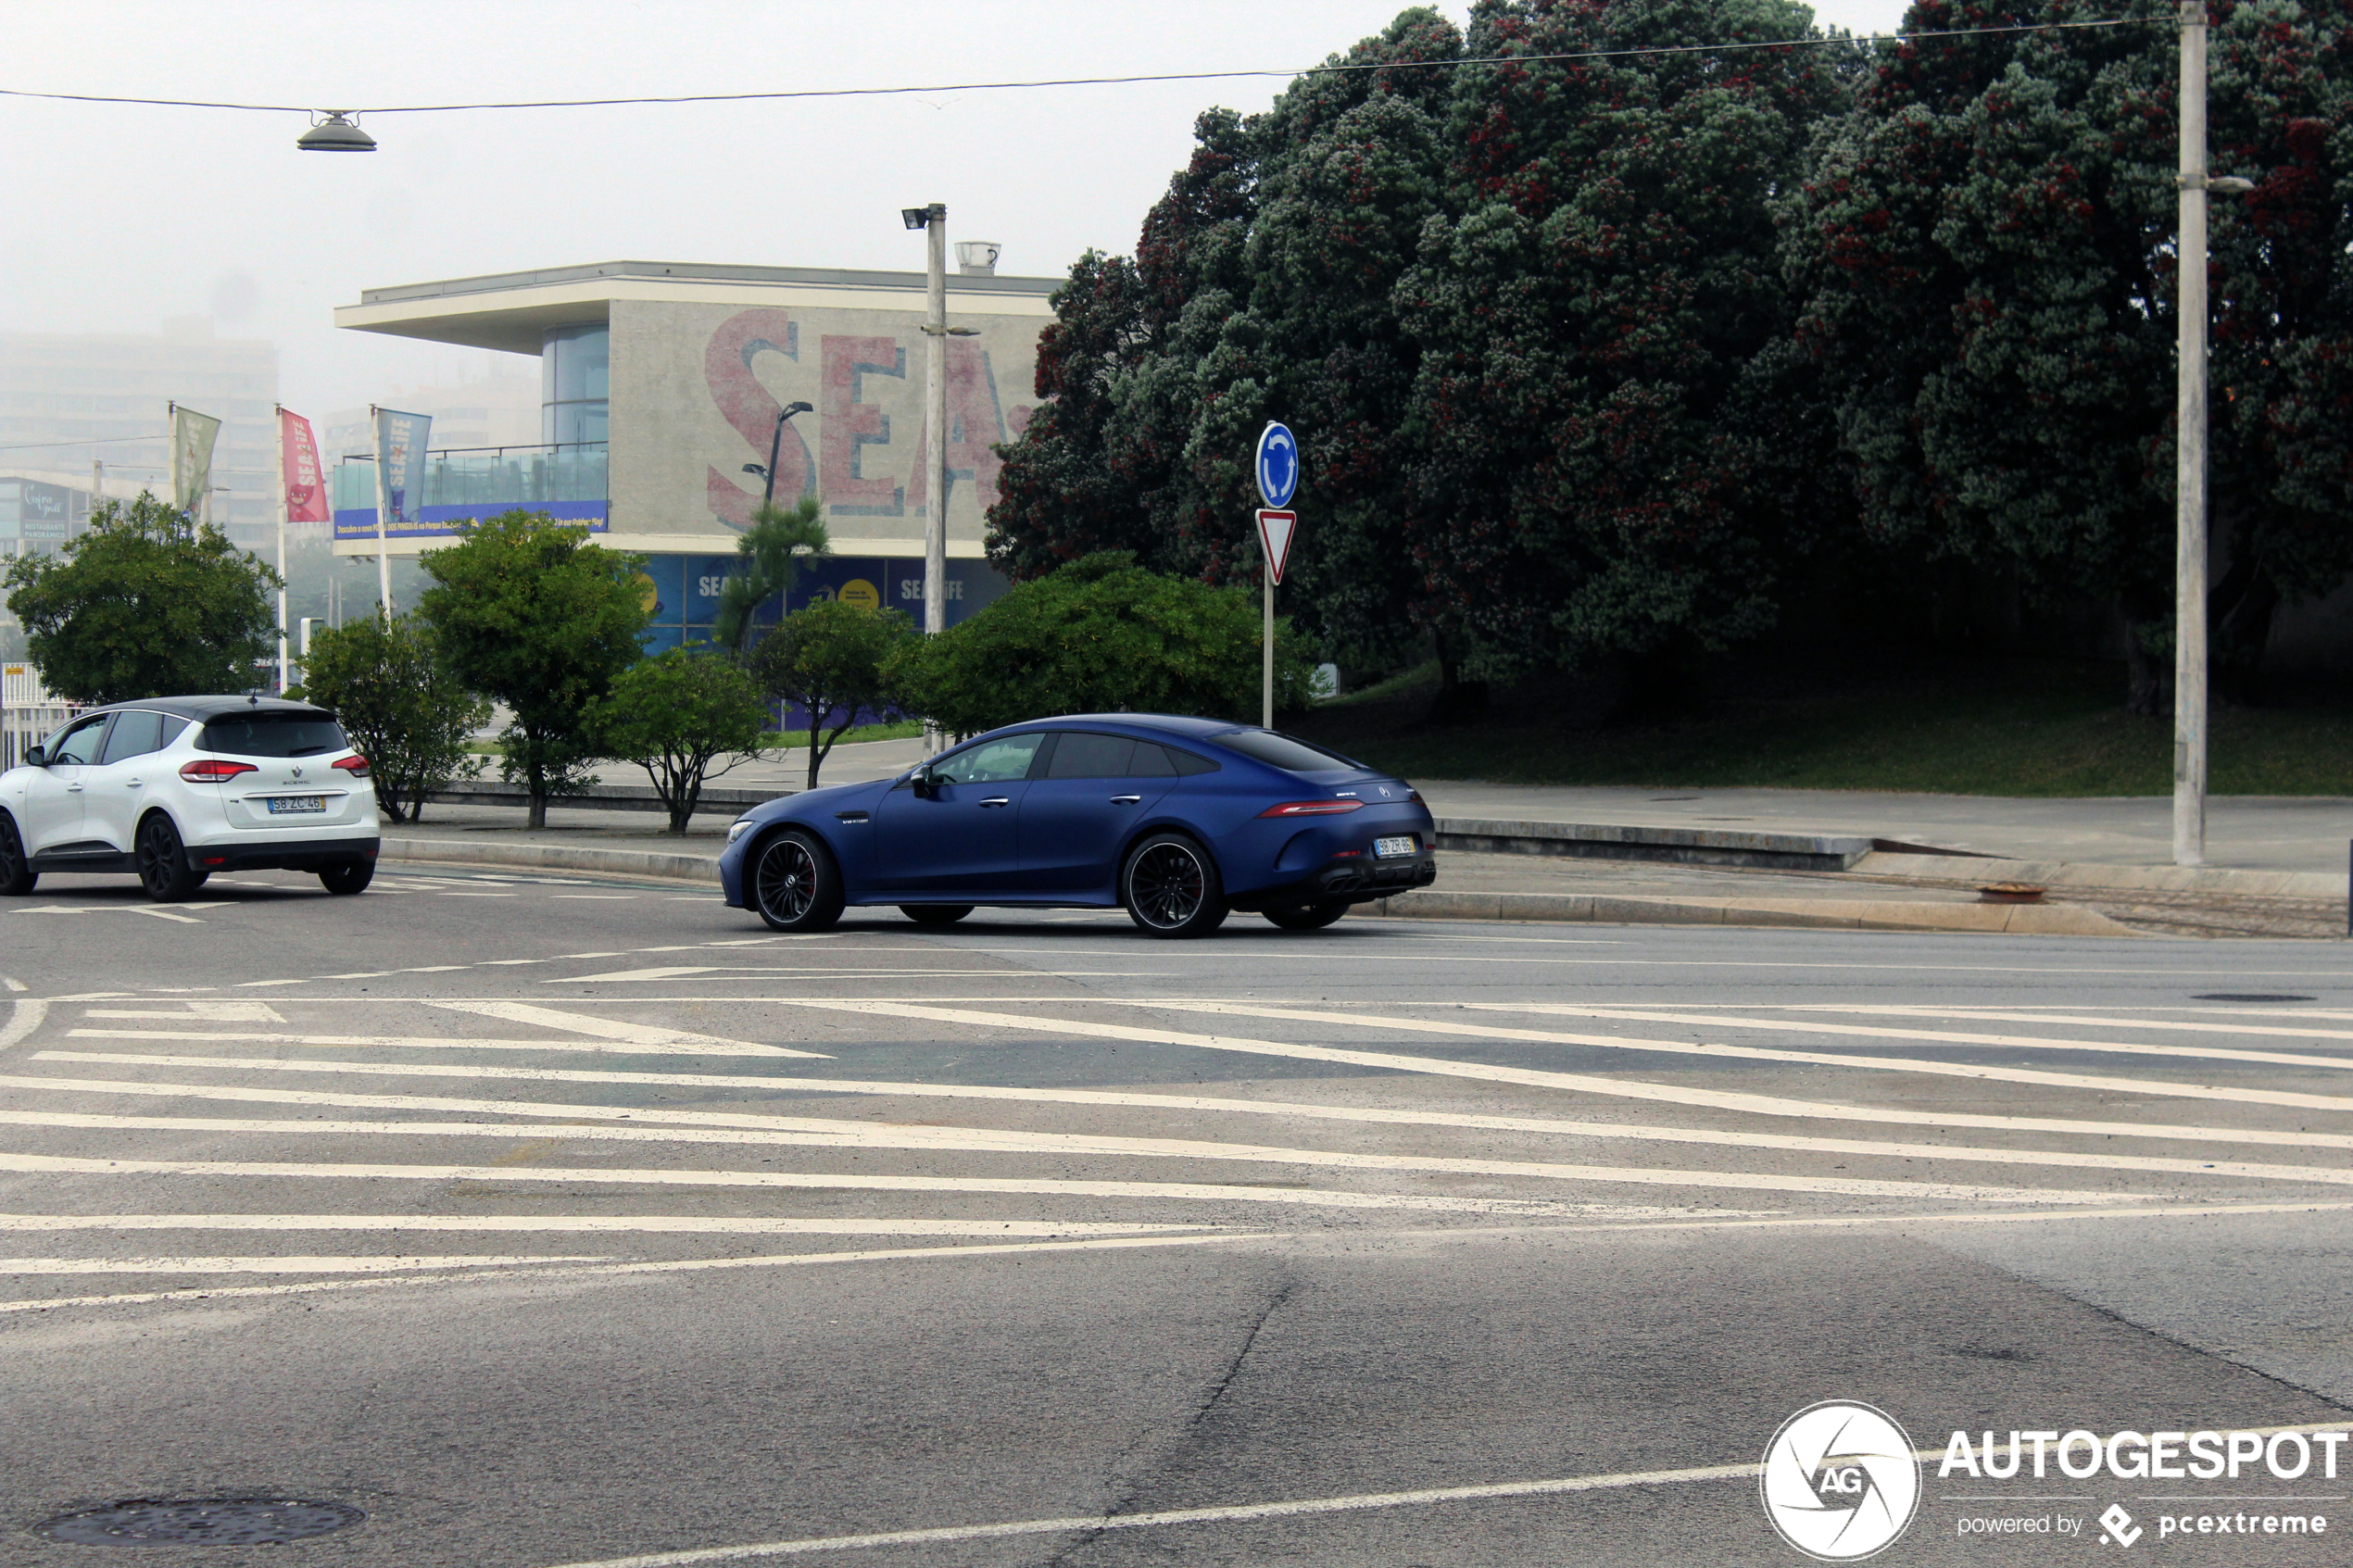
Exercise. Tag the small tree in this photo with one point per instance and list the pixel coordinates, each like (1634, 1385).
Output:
(530, 612)
(772, 550)
(829, 658)
(402, 705)
(676, 713)
(144, 604)
(1099, 635)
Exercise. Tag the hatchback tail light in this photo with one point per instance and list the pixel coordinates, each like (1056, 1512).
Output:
(356, 766)
(1313, 809)
(214, 770)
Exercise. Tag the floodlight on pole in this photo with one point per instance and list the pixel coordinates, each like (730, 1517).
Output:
(335, 133)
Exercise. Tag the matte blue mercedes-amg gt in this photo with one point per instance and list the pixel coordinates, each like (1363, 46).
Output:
(1177, 821)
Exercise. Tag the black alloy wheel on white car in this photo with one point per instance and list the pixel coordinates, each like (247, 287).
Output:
(795, 885)
(17, 875)
(1308, 917)
(162, 860)
(1171, 887)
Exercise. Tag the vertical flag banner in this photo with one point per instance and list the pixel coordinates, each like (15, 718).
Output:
(400, 464)
(299, 471)
(192, 438)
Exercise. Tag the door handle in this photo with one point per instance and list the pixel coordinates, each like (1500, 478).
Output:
(1125, 799)
(74, 788)
(133, 784)
(998, 800)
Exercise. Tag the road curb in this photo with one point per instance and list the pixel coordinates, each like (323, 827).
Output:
(679, 867)
(1848, 914)
(1837, 914)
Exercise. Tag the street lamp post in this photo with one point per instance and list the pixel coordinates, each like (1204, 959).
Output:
(2189, 450)
(933, 218)
(775, 450)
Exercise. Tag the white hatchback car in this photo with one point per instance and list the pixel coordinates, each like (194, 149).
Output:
(176, 788)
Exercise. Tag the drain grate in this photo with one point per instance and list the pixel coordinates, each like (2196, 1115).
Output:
(200, 1521)
(2248, 997)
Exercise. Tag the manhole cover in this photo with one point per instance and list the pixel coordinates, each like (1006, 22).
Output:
(200, 1521)
(2248, 997)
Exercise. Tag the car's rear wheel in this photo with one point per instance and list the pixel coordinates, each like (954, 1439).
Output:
(935, 914)
(352, 876)
(17, 875)
(1171, 887)
(162, 860)
(1308, 917)
(795, 885)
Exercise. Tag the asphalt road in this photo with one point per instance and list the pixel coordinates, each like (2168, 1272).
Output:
(556, 1220)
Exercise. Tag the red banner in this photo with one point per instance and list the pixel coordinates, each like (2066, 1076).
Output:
(298, 460)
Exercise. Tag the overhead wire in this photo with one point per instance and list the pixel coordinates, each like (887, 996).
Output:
(1329, 68)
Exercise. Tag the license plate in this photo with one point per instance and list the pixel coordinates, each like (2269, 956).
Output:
(279, 804)
(1384, 847)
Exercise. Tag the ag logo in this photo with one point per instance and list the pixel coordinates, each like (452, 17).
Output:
(1840, 1481)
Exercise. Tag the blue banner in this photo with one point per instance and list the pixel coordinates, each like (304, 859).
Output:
(400, 464)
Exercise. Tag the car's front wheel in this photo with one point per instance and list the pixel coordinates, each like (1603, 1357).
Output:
(162, 860)
(935, 914)
(17, 875)
(1308, 917)
(352, 876)
(795, 885)
(1171, 887)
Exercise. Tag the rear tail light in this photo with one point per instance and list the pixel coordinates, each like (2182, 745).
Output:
(214, 770)
(1313, 809)
(1415, 796)
(356, 766)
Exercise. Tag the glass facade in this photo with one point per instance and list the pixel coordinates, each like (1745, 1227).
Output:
(567, 481)
(575, 378)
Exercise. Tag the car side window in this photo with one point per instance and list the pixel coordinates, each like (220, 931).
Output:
(80, 745)
(1082, 754)
(1150, 762)
(134, 735)
(1187, 764)
(995, 761)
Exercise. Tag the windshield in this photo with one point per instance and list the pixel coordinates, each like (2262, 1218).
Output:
(1282, 751)
(273, 734)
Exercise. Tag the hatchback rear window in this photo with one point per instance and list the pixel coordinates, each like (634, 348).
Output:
(1283, 751)
(273, 734)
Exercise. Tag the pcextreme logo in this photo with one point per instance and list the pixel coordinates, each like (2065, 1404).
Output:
(1840, 1481)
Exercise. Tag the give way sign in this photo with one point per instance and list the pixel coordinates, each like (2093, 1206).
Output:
(1276, 531)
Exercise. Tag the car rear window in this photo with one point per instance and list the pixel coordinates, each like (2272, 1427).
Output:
(273, 734)
(1283, 751)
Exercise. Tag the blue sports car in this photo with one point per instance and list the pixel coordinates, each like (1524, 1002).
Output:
(1177, 821)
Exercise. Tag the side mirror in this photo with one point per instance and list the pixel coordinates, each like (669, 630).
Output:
(36, 757)
(927, 782)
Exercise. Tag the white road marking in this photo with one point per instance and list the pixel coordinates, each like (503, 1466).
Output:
(439, 1042)
(594, 1270)
(326, 1264)
(1671, 1094)
(584, 1225)
(1968, 1013)
(156, 911)
(598, 896)
(2099, 1083)
(814, 1132)
(1945, 1037)
(26, 1014)
(1163, 1103)
(772, 972)
(1975, 1216)
(220, 1012)
(47, 1164)
(612, 1029)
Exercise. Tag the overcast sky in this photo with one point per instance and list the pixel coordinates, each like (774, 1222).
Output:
(121, 216)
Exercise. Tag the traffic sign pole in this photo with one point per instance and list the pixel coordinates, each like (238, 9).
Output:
(1277, 467)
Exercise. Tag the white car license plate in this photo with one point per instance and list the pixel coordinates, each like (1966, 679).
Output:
(1384, 847)
(281, 803)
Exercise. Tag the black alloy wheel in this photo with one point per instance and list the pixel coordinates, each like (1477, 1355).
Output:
(1308, 917)
(1171, 887)
(352, 876)
(794, 883)
(935, 914)
(163, 864)
(17, 875)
